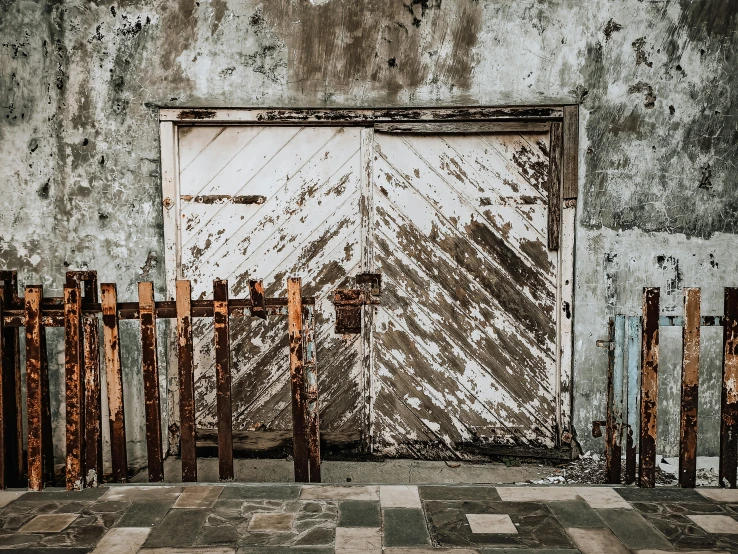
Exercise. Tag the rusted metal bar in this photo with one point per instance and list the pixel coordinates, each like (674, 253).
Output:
(729, 397)
(150, 369)
(53, 313)
(223, 374)
(297, 375)
(612, 448)
(258, 304)
(47, 444)
(223, 199)
(32, 301)
(690, 389)
(114, 380)
(87, 282)
(649, 387)
(554, 186)
(186, 382)
(311, 381)
(634, 366)
(93, 408)
(74, 387)
(12, 414)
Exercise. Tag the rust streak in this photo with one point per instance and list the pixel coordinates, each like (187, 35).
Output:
(223, 199)
(690, 389)
(74, 387)
(297, 377)
(649, 387)
(33, 386)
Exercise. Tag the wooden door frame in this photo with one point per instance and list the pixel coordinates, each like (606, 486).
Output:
(561, 121)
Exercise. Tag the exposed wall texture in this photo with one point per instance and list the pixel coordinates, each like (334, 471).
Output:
(80, 83)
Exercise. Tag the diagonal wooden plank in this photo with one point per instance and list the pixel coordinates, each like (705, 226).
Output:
(193, 140)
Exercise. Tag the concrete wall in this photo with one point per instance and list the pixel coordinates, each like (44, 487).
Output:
(80, 83)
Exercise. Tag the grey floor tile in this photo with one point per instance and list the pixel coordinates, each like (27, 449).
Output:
(178, 528)
(34, 550)
(659, 494)
(285, 550)
(444, 492)
(144, 514)
(633, 530)
(272, 492)
(358, 513)
(404, 527)
(529, 551)
(575, 513)
(58, 494)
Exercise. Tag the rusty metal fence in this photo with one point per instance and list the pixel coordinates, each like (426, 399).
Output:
(632, 390)
(77, 312)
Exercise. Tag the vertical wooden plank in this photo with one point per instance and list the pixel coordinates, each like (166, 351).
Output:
(114, 380)
(297, 376)
(258, 302)
(571, 152)
(93, 408)
(554, 186)
(649, 387)
(150, 369)
(565, 321)
(311, 380)
(12, 413)
(366, 209)
(4, 414)
(186, 382)
(74, 387)
(690, 389)
(729, 397)
(47, 444)
(634, 365)
(223, 375)
(32, 300)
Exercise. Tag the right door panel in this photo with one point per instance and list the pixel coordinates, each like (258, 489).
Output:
(465, 339)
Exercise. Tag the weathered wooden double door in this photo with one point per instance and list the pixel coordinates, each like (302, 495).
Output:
(461, 353)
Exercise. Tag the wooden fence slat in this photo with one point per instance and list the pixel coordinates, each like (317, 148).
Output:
(150, 369)
(634, 373)
(729, 397)
(186, 382)
(297, 376)
(74, 387)
(93, 408)
(258, 303)
(223, 375)
(649, 387)
(32, 301)
(690, 389)
(114, 380)
(311, 380)
(47, 444)
(571, 152)
(615, 381)
(554, 186)
(4, 413)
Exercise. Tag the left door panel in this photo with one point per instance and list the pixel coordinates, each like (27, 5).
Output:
(269, 202)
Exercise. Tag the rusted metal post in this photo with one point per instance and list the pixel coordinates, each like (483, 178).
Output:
(4, 414)
(223, 374)
(311, 380)
(186, 382)
(690, 389)
(634, 367)
(729, 399)
(32, 300)
(150, 369)
(93, 408)
(297, 376)
(74, 387)
(114, 379)
(649, 387)
(258, 303)
(47, 445)
(613, 452)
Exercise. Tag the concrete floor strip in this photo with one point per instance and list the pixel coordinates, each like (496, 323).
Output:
(602, 497)
(359, 539)
(596, 541)
(122, 540)
(323, 492)
(719, 495)
(399, 496)
(198, 497)
(716, 524)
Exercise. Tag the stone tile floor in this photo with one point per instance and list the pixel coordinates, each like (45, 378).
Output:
(395, 519)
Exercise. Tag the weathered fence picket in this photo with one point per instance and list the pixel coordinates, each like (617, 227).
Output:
(77, 313)
(638, 336)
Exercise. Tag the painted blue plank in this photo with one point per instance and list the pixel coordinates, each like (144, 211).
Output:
(634, 372)
(618, 377)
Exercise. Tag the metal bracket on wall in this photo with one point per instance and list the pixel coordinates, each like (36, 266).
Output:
(348, 302)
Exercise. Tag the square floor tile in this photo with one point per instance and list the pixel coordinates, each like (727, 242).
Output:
(602, 497)
(271, 523)
(198, 497)
(597, 541)
(453, 492)
(491, 524)
(536, 494)
(358, 513)
(358, 538)
(323, 492)
(122, 540)
(719, 495)
(133, 493)
(399, 496)
(48, 523)
(716, 524)
(405, 527)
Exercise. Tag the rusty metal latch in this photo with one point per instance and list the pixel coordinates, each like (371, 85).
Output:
(348, 302)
